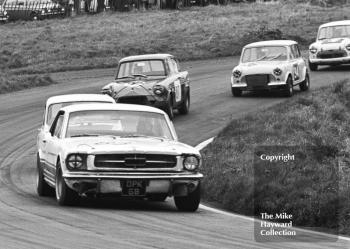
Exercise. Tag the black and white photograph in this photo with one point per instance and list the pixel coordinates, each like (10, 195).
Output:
(175, 124)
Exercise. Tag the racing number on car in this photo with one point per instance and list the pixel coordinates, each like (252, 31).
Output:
(177, 86)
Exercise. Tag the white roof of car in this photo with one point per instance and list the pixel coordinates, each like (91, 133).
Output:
(79, 97)
(337, 23)
(146, 57)
(109, 107)
(271, 43)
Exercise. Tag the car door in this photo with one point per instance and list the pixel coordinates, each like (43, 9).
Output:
(298, 63)
(179, 82)
(52, 143)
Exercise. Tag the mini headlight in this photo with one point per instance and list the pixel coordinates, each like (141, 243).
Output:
(313, 50)
(159, 90)
(43, 12)
(347, 47)
(76, 161)
(191, 163)
(277, 71)
(5, 13)
(237, 74)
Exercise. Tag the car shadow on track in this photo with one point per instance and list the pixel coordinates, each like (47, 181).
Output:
(268, 94)
(127, 204)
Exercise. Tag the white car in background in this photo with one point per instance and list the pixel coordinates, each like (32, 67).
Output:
(55, 103)
(122, 149)
(332, 46)
(270, 65)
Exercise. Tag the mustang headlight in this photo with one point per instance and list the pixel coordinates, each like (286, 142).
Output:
(237, 74)
(159, 90)
(76, 161)
(313, 50)
(191, 163)
(277, 71)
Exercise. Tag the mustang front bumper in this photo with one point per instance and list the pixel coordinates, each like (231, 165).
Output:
(172, 184)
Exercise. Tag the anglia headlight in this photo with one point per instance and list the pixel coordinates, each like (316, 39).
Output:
(76, 162)
(237, 74)
(313, 50)
(191, 163)
(159, 90)
(277, 71)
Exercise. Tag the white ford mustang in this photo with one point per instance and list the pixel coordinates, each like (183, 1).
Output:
(120, 149)
(270, 65)
(332, 46)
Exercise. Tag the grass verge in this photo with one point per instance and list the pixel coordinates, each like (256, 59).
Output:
(320, 119)
(98, 41)
(10, 83)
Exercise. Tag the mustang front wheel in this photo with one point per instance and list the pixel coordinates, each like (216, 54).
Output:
(42, 188)
(64, 195)
(190, 202)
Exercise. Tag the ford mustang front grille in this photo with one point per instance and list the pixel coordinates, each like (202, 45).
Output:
(257, 80)
(134, 161)
(330, 54)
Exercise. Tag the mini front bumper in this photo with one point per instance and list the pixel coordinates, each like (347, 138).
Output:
(270, 86)
(177, 184)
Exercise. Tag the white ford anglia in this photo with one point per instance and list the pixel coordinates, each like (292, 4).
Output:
(270, 65)
(332, 46)
(121, 149)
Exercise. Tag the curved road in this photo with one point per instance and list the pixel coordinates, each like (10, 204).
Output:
(27, 221)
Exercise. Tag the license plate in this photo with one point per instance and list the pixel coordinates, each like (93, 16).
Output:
(134, 187)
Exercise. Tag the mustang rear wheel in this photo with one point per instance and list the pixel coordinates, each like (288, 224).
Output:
(42, 188)
(64, 195)
(185, 106)
(305, 85)
(190, 202)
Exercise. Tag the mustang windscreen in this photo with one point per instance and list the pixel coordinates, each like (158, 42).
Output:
(54, 108)
(340, 31)
(268, 53)
(146, 67)
(117, 123)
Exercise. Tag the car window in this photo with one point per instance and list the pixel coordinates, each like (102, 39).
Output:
(118, 123)
(58, 127)
(339, 31)
(144, 67)
(264, 53)
(54, 108)
(294, 52)
(173, 66)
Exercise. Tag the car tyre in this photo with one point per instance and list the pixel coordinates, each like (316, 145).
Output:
(190, 202)
(305, 85)
(169, 108)
(64, 195)
(236, 92)
(185, 106)
(313, 66)
(157, 197)
(289, 91)
(42, 188)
